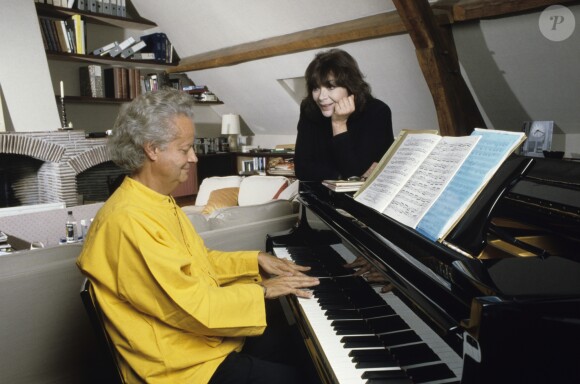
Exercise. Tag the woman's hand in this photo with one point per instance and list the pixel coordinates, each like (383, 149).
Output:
(289, 285)
(343, 108)
(369, 171)
(279, 267)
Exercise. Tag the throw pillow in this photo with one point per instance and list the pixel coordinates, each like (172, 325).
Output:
(224, 197)
(210, 184)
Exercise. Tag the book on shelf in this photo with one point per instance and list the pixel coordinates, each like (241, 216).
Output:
(91, 81)
(116, 82)
(80, 38)
(343, 185)
(428, 182)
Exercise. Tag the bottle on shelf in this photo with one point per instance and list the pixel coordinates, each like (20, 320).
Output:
(71, 228)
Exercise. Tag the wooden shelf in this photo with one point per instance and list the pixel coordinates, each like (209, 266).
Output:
(107, 60)
(209, 102)
(92, 100)
(95, 18)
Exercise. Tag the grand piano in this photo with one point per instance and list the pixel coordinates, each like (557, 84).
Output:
(498, 301)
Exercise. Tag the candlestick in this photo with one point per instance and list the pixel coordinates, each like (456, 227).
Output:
(63, 115)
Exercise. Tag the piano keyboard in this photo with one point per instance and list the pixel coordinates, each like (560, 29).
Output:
(367, 336)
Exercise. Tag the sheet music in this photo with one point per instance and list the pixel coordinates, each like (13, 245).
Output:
(429, 180)
(491, 151)
(405, 161)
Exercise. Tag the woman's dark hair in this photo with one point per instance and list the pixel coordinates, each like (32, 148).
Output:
(343, 68)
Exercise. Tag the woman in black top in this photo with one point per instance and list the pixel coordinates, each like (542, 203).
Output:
(343, 130)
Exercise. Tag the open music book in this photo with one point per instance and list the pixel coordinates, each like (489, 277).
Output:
(428, 182)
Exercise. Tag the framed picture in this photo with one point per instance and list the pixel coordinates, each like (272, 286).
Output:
(539, 138)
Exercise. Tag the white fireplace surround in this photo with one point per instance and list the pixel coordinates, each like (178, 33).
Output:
(65, 154)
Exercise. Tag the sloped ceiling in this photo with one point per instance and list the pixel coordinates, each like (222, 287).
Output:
(514, 72)
(252, 89)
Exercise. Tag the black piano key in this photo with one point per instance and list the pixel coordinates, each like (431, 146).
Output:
(326, 307)
(401, 380)
(414, 354)
(390, 374)
(380, 311)
(376, 364)
(398, 338)
(387, 324)
(430, 373)
(334, 314)
(371, 355)
(387, 377)
(361, 341)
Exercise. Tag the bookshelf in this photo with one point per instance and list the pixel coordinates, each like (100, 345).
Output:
(101, 29)
(97, 114)
(259, 162)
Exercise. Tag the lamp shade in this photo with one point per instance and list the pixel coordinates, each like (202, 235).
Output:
(230, 124)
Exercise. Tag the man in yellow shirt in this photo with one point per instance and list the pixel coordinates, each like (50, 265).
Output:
(176, 311)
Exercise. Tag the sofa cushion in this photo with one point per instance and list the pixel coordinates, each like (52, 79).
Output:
(227, 217)
(220, 198)
(210, 184)
(259, 189)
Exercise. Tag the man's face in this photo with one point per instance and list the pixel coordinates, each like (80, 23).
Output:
(173, 162)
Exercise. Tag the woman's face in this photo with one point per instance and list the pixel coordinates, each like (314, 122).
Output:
(327, 96)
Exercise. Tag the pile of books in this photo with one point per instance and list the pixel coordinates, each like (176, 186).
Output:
(343, 185)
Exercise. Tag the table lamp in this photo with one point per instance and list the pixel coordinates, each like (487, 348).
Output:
(231, 127)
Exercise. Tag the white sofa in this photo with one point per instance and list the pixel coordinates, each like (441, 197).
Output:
(228, 201)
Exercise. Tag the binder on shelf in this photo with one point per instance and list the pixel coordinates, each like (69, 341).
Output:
(92, 5)
(122, 8)
(114, 8)
(156, 43)
(105, 49)
(106, 7)
(144, 56)
(121, 47)
(127, 52)
(82, 5)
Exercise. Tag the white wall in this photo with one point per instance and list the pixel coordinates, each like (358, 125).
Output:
(24, 75)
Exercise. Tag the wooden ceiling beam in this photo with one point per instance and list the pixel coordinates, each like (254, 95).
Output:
(376, 26)
(371, 27)
(457, 112)
(465, 10)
